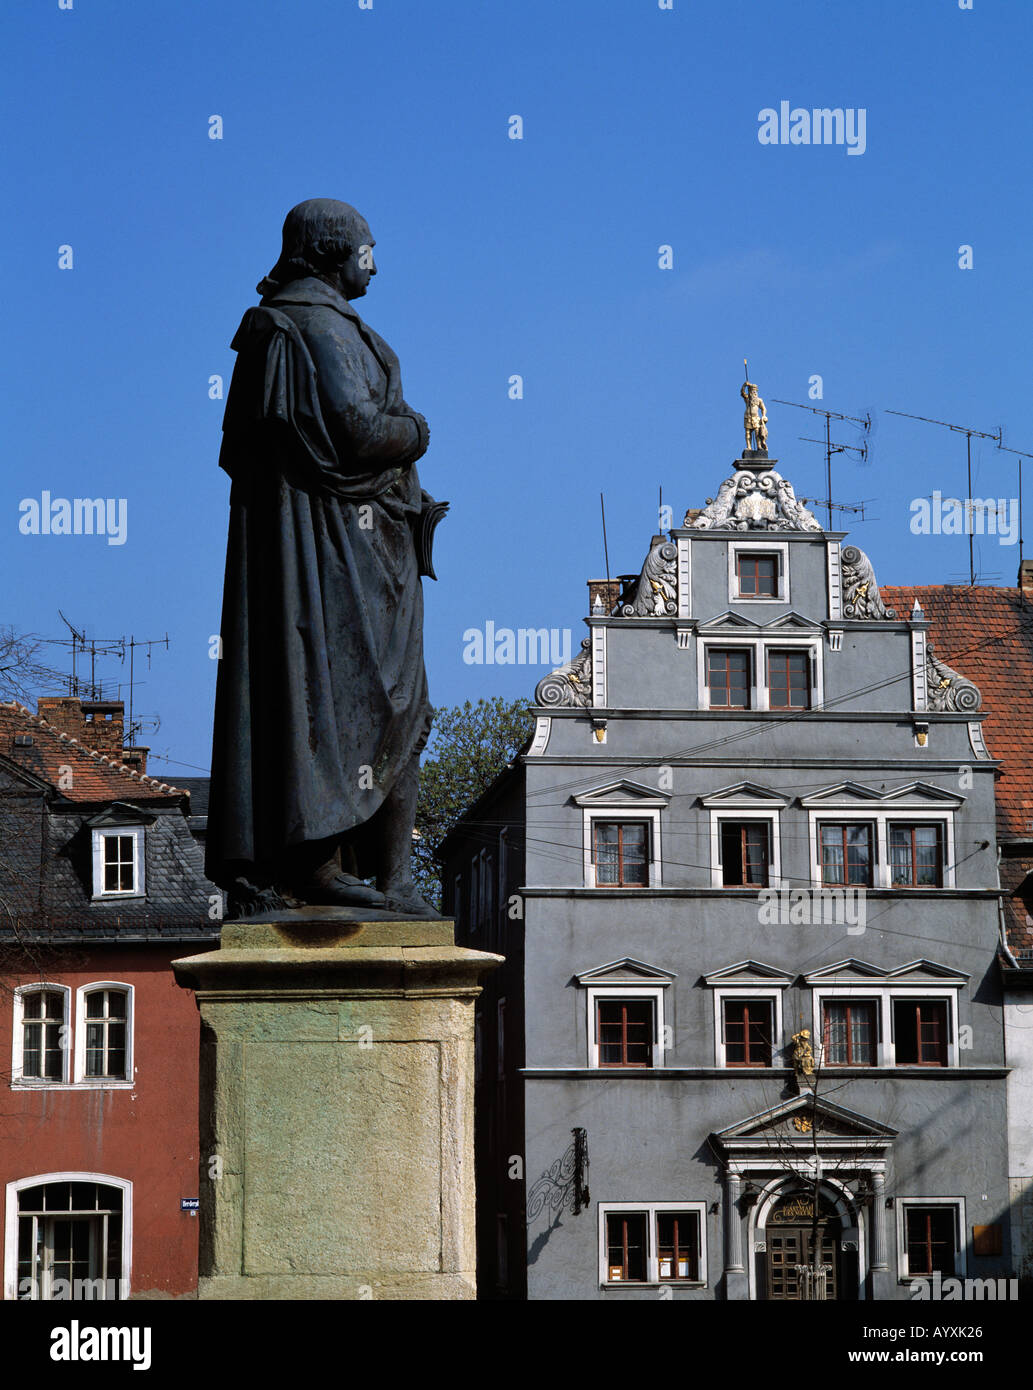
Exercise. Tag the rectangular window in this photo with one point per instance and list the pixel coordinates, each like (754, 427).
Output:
(920, 1032)
(745, 853)
(106, 1034)
(848, 1033)
(620, 853)
(846, 853)
(42, 1026)
(757, 575)
(728, 678)
(119, 875)
(789, 680)
(916, 855)
(626, 1247)
(677, 1244)
(747, 1032)
(930, 1235)
(624, 1032)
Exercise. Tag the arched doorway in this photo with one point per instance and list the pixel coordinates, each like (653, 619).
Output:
(792, 1273)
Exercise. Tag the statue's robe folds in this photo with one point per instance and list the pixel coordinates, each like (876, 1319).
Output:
(321, 701)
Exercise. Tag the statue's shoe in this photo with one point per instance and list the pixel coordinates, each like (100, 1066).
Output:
(410, 904)
(339, 890)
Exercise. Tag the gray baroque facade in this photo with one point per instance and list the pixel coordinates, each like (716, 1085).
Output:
(745, 879)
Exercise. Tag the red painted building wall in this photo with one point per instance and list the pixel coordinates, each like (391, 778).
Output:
(146, 1133)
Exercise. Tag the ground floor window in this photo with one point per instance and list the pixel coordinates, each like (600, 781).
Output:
(930, 1234)
(70, 1241)
(655, 1243)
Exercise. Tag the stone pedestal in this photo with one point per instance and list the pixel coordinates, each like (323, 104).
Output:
(336, 1109)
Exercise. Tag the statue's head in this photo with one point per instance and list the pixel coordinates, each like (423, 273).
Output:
(328, 239)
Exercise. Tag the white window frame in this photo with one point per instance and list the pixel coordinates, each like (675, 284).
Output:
(612, 993)
(960, 1228)
(651, 1210)
(759, 647)
(135, 832)
(629, 811)
(778, 548)
(885, 995)
(11, 1223)
(881, 820)
(738, 993)
(32, 1083)
(79, 1037)
(740, 813)
(845, 994)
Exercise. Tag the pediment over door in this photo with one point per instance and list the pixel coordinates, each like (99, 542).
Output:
(791, 1126)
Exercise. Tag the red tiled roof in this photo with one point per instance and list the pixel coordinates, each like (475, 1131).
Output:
(95, 776)
(986, 634)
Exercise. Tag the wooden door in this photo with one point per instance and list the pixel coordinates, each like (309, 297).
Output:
(791, 1246)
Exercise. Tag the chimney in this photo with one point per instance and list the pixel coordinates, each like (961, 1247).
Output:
(98, 724)
(1025, 579)
(602, 596)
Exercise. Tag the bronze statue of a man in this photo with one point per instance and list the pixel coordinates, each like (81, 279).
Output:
(321, 707)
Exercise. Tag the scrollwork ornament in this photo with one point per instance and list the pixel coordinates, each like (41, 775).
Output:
(569, 686)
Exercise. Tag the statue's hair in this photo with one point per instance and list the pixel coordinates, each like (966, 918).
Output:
(317, 234)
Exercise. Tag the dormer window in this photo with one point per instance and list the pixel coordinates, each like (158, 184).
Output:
(117, 863)
(118, 852)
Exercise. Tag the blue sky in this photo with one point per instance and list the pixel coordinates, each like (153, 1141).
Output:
(496, 257)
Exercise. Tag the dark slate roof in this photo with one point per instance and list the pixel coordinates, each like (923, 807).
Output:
(198, 789)
(178, 895)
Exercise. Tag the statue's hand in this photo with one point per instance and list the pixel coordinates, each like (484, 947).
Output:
(423, 428)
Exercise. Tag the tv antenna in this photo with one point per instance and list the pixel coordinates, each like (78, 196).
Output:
(1022, 455)
(861, 450)
(969, 434)
(105, 647)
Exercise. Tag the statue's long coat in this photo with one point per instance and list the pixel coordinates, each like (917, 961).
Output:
(321, 699)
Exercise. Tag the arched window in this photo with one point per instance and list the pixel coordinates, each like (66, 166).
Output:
(41, 1035)
(68, 1237)
(104, 1032)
